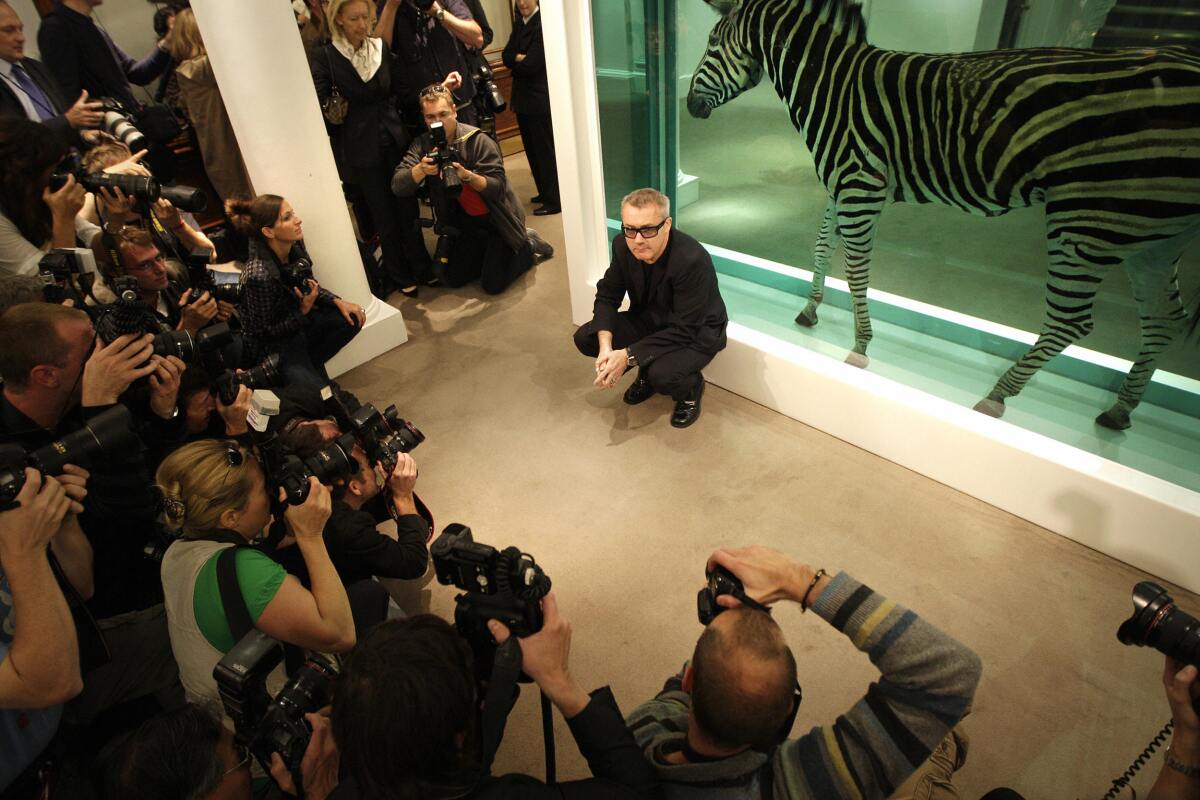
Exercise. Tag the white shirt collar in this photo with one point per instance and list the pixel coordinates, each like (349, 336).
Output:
(526, 19)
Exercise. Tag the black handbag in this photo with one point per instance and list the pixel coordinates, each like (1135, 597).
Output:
(335, 106)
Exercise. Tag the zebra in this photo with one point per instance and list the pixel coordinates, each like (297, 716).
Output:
(1107, 140)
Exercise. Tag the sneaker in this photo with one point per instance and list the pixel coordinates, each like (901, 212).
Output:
(541, 248)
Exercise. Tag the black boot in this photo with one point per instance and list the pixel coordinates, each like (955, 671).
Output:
(688, 411)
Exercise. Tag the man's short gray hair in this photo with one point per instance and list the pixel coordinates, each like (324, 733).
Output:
(640, 198)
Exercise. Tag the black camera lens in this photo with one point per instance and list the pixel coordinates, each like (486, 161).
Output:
(185, 198)
(175, 343)
(138, 186)
(335, 462)
(1157, 622)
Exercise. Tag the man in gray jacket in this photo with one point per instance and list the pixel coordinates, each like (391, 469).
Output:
(489, 240)
(719, 729)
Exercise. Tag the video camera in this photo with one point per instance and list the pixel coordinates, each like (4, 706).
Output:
(110, 431)
(505, 585)
(140, 187)
(265, 725)
(381, 435)
(202, 278)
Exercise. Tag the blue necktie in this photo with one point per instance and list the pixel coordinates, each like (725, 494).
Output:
(41, 103)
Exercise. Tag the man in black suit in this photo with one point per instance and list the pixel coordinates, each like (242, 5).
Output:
(27, 89)
(676, 318)
(525, 55)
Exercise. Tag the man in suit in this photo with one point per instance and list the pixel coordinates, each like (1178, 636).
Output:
(676, 318)
(525, 55)
(27, 89)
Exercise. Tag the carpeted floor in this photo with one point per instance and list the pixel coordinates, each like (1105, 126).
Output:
(621, 510)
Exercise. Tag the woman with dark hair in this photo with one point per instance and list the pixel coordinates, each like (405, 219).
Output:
(305, 327)
(34, 219)
(369, 143)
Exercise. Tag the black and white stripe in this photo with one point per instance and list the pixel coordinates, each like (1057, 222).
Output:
(1108, 140)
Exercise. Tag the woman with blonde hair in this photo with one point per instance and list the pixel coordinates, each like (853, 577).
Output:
(206, 110)
(216, 492)
(370, 141)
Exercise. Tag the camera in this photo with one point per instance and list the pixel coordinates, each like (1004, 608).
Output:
(297, 273)
(204, 280)
(1157, 622)
(130, 315)
(265, 376)
(284, 469)
(118, 125)
(444, 155)
(140, 187)
(494, 101)
(722, 581)
(505, 585)
(382, 435)
(108, 432)
(265, 725)
(59, 269)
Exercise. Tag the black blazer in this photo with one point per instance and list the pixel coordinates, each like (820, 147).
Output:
(682, 302)
(10, 104)
(530, 93)
(373, 135)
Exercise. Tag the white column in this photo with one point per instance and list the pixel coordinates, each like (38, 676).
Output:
(567, 29)
(259, 61)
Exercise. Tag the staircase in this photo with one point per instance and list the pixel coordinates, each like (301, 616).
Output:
(1151, 23)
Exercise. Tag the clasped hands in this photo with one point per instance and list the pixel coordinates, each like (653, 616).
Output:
(610, 366)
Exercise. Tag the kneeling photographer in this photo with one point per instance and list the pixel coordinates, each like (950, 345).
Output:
(284, 310)
(476, 214)
(217, 493)
(358, 549)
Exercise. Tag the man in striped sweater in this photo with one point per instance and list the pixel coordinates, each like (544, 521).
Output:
(718, 729)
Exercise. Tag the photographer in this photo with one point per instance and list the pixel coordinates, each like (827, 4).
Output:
(425, 37)
(217, 492)
(205, 416)
(492, 242)
(725, 718)
(359, 550)
(1179, 778)
(405, 717)
(39, 651)
(33, 219)
(306, 327)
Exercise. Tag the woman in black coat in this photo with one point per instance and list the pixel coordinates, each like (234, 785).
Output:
(525, 55)
(371, 140)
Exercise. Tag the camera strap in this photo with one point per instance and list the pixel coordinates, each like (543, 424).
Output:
(501, 697)
(237, 614)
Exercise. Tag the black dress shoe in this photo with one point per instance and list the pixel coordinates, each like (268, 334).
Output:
(639, 391)
(537, 198)
(413, 292)
(546, 211)
(688, 411)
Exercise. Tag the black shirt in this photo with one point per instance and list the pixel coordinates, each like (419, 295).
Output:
(426, 52)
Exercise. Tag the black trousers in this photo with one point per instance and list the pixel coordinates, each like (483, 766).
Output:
(676, 373)
(303, 356)
(405, 258)
(537, 133)
(478, 251)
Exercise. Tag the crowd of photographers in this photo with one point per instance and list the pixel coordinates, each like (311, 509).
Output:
(195, 520)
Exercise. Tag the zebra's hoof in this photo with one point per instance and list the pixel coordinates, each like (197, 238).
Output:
(857, 360)
(1115, 419)
(807, 317)
(993, 408)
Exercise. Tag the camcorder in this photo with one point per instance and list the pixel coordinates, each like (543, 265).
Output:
(1157, 622)
(720, 581)
(383, 435)
(505, 585)
(266, 725)
(139, 187)
(202, 278)
(109, 432)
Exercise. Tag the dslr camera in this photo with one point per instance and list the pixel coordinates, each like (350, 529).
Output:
(1157, 622)
(494, 101)
(721, 581)
(383, 435)
(296, 274)
(60, 270)
(130, 315)
(266, 375)
(505, 585)
(106, 433)
(267, 725)
(335, 462)
(140, 187)
(204, 280)
(444, 155)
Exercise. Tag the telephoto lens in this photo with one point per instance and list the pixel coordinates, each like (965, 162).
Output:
(185, 198)
(1157, 622)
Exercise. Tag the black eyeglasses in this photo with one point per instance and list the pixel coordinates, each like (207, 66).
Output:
(648, 232)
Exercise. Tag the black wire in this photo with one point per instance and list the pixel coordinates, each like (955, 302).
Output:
(1139, 762)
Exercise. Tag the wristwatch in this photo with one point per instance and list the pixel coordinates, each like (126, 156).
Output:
(630, 359)
(440, 16)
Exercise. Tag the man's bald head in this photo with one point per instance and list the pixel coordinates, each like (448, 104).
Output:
(743, 679)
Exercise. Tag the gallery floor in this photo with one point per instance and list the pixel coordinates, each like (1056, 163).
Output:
(621, 510)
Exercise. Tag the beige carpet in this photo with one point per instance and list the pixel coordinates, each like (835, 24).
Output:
(621, 510)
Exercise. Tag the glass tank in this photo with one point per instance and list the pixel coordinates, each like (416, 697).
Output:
(968, 261)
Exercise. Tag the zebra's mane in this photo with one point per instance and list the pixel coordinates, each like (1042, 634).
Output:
(844, 16)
